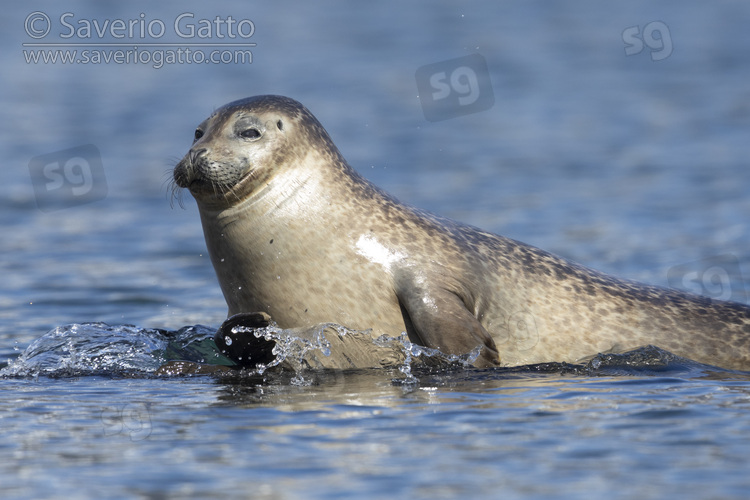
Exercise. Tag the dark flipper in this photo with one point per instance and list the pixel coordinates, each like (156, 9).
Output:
(245, 348)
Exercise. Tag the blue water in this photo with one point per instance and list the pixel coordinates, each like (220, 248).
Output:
(630, 165)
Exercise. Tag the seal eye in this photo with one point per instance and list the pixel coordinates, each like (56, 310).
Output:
(198, 134)
(250, 133)
(280, 125)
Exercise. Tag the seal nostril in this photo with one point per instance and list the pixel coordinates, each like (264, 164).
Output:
(195, 153)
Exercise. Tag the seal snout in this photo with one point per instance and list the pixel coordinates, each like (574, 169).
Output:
(187, 170)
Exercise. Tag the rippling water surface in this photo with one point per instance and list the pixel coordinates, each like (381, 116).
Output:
(636, 165)
(627, 426)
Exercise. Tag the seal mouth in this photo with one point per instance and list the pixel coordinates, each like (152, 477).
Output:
(187, 177)
(188, 172)
(194, 173)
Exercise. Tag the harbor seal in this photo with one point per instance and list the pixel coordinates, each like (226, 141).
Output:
(294, 232)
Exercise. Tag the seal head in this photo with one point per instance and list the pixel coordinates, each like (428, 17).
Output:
(239, 148)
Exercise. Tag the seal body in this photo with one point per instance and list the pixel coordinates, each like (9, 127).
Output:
(293, 231)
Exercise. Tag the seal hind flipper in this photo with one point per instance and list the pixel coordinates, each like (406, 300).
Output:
(438, 318)
(243, 347)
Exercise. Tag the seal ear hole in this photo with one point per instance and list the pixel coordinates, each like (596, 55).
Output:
(250, 133)
(280, 125)
(198, 134)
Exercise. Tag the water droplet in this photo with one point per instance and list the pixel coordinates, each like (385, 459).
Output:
(228, 340)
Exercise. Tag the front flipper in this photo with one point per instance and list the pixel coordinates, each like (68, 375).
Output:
(438, 318)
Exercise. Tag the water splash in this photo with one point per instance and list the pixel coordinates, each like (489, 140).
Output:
(124, 350)
(101, 349)
(289, 349)
(87, 348)
(418, 357)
